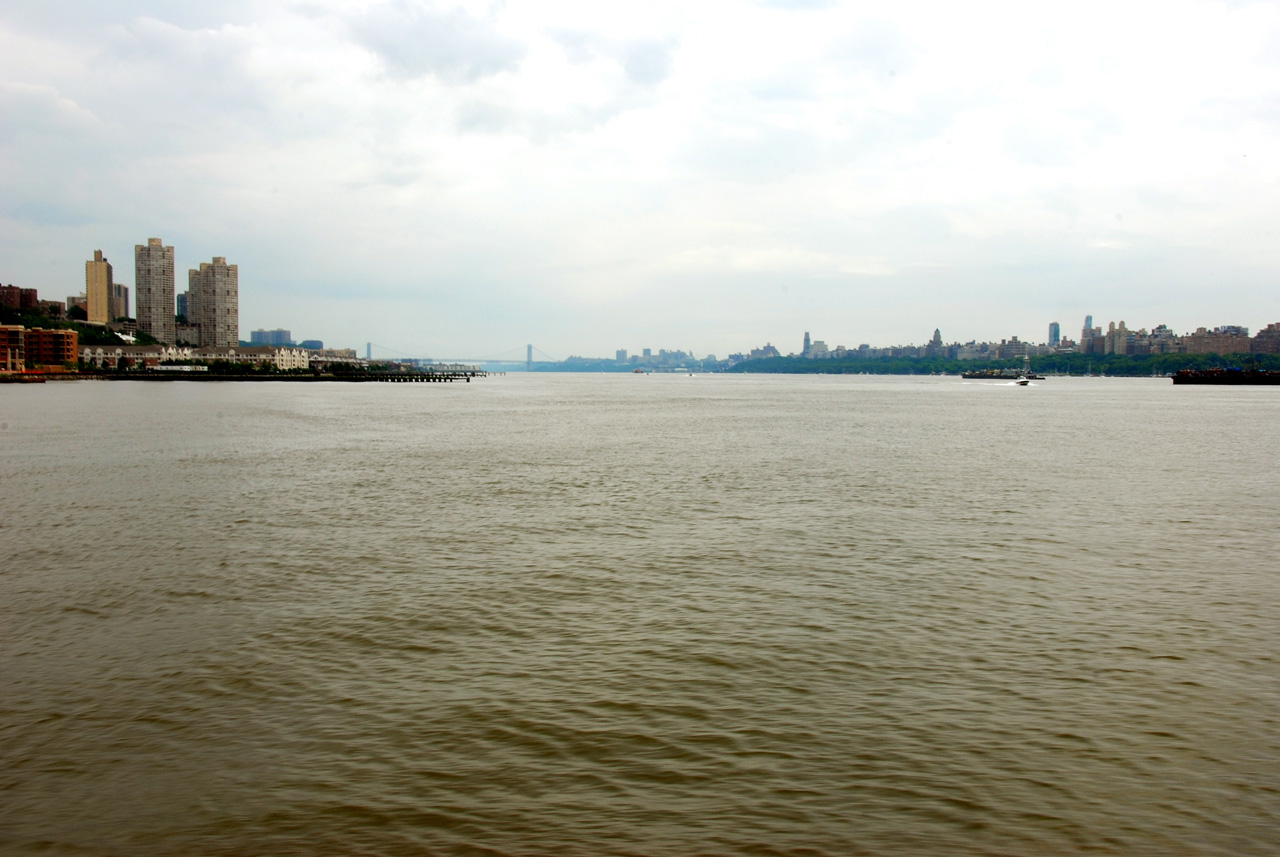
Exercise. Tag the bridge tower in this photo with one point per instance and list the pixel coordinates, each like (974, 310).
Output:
(528, 358)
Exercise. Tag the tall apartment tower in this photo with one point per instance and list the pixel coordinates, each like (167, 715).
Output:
(808, 347)
(193, 297)
(119, 302)
(97, 288)
(213, 302)
(153, 286)
(1055, 333)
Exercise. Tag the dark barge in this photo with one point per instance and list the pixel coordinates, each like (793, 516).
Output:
(999, 375)
(1024, 373)
(1231, 377)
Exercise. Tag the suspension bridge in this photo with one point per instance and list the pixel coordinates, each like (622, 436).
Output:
(515, 359)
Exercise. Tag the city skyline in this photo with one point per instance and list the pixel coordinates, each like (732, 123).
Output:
(220, 318)
(473, 177)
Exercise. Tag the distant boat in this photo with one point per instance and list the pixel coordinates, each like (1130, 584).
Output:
(1022, 381)
(1005, 374)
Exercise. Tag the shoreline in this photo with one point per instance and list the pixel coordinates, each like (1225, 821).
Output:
(420, 378)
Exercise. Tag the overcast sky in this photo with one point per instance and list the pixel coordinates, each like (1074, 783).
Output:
(457, 180)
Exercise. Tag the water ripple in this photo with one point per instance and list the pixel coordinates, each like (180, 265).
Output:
(585, 616)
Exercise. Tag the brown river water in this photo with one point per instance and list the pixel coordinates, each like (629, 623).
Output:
(640, 615)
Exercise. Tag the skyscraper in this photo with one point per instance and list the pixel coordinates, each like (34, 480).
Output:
(119, 302)
(214, 298)
(278, 337)
(1055, 333)
(97, 288)
(193, 297)
(807, 345)
(153, 282)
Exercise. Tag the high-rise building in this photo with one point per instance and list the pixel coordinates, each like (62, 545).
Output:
(1055, 333)
(97, 288)
(119, 301)
(180, 304)
(153, 263)
(620, 355)
(1087, 331)
(807, 346)
(279, 336)
(214, 299)
(193, 297)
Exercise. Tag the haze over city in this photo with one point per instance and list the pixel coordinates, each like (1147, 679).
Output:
(462, 179)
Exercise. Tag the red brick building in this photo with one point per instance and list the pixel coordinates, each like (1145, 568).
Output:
(16, 298)
(13, 350)
(52, 347)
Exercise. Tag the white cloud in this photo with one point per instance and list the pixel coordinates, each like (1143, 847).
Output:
(588, 167)
(413, 39)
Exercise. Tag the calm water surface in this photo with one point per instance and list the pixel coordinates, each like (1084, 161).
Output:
(640, 615)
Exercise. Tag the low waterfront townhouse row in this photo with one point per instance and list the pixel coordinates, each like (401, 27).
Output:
(154, 356)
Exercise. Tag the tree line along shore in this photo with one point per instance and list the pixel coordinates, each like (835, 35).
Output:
(1116, 365)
